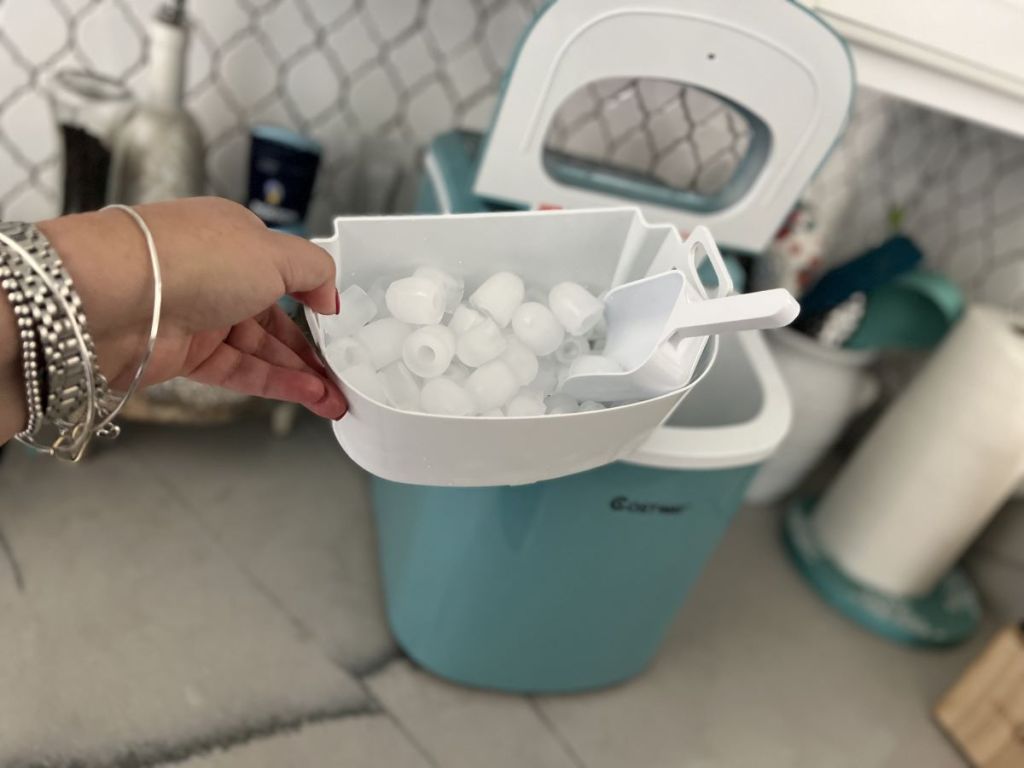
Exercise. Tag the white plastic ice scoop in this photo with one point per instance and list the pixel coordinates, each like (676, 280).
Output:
(644, 314)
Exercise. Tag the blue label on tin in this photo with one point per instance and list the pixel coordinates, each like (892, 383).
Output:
(281, 177)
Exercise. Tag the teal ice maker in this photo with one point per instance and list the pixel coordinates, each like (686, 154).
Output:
(570, 584)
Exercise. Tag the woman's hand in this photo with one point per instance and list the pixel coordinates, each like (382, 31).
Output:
(223, 272)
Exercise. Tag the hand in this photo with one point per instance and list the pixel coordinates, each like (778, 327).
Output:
(223, 272)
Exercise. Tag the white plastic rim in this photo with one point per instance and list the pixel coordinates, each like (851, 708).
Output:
(601, 247)
(728, 445)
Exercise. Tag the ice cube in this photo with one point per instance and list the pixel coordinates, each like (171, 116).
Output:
(571, 348)
(576, 308)
(499, 296)
(384, 339)
(492, 385)
(416, 300)
(536, 293)
(345, 352)
(452, 286)
(428, 351)
(527, 403)
(458, 372)
(538, 328)
(400, 386)
(546, 380)
(464, 318)
(591, 405)
(588, 364)
(561, 403)
(481, 343)
(378, 294)
(357, 309)
(598, 336)
(446, 397)
(520, 359)
(366, 380)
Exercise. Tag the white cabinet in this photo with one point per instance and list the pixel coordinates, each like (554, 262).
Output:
(965, 57)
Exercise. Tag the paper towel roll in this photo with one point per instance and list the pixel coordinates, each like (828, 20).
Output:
(936, 467)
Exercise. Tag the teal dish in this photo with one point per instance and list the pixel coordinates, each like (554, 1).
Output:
(914, 311)
(948, 615)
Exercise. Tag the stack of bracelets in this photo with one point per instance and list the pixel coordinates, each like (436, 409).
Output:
(67, 398)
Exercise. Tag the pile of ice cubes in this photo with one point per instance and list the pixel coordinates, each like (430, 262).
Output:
(414, 344)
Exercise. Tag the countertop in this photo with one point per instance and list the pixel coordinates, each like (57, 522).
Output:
(210, 597)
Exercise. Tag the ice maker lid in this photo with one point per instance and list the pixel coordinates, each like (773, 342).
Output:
(771, 60)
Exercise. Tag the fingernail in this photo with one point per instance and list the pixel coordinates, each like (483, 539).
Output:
(337, 301)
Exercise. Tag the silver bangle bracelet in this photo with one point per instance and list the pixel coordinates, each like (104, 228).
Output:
(154, 323)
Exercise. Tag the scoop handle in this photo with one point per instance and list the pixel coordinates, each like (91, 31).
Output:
(742, 312)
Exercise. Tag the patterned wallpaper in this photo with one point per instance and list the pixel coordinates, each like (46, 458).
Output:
(956, 188)
(375, 81)
(371, 80)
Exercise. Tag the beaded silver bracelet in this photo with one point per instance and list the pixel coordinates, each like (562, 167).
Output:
(42, 278)
(55, 341)
(29, 346)
(52, 303)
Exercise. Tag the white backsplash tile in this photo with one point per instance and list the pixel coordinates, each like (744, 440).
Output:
(37, 31)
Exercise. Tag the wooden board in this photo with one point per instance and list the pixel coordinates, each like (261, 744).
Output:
(983, 713)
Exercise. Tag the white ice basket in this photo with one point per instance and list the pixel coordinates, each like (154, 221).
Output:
(597, 248)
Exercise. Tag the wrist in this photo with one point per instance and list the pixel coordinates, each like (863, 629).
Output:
(105, 254)
(12, 411)
(10, 351)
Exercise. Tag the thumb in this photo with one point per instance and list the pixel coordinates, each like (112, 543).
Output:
(308, 272)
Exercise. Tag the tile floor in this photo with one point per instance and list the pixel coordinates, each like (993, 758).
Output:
(210, 598)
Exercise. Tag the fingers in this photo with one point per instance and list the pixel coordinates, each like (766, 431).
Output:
(242, 372)
(307, 270)
(268, 356)
(277, 323)
(252, 338)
